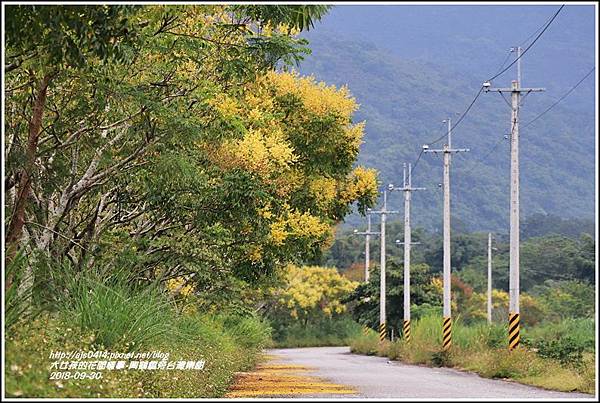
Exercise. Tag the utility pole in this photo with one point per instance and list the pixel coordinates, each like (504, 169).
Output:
(382, 314)
(447, 150)
(368, 233)
(407, 189)
(489, 280)
(406, 324)
(515, 90)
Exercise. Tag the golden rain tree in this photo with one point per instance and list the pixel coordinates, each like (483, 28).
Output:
(311, 292)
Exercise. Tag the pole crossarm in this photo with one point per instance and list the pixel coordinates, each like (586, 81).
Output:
(385, 212)
(514, 89)
(398, 242)
(405, 188)
(365, 233)
(448, 150)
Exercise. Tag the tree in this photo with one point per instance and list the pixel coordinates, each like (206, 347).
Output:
(41, 42)
(309, 293)
(365, 299)
(184, 158)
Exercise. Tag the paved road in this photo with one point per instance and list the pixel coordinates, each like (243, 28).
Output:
(376, 377)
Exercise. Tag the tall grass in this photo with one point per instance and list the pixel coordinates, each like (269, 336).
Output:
(482, 348)
(116, 315)
(18, 297)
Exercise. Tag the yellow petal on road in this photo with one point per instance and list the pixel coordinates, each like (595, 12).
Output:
(285, 380)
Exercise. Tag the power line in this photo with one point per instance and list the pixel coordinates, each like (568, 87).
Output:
(506, 59)
(530, 45)
(418, 158)
(543, 28)
(535, 32)
(452, 127)
(474, 163)
(561, 98)
(464, 114)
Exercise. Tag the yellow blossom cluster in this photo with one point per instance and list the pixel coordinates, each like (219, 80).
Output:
(323, 189)
(297, 224)
(225, 104)
(178, 286)
(312, 289)
(255, 254)
(317, 97)
(262, 151)
(362, 181)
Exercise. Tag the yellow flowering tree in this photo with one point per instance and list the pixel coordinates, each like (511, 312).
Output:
(295, 141)
(310, 292)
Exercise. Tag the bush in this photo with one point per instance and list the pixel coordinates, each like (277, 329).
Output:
(564, 350)
(419, 311)
(336, 331)
(365, 343)
(565, 341)
(441, 358)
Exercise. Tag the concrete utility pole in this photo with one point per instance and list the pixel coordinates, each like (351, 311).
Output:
(368, 233)
(489, 280)
(382, 314)
(447, 150)
(406, 324)
(515, 90)
(407, 189)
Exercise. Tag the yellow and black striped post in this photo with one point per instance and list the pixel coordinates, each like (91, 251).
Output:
(447, 333)
(407, 330)
(366, 330)
(513, 330)
(382, 332)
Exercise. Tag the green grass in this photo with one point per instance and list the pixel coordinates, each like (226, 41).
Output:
(325, 332)
(483, 349)
(112, 316)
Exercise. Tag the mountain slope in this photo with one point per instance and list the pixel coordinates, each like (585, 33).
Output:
(403, 102)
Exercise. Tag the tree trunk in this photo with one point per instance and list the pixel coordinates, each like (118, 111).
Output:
(15, 229)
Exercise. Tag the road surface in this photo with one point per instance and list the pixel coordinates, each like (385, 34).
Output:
(377, 377)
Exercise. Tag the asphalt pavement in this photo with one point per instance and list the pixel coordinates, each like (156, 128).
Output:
(377, 377)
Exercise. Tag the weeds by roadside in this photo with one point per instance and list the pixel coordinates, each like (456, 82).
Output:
(112, 316)
(482, 349)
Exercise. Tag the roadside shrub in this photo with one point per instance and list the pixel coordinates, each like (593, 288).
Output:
(335, 331)
(564, 350)
(365, 343)
(441, 358)
(565, 341)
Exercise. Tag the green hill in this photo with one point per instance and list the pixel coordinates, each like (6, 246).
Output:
(404, 101)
